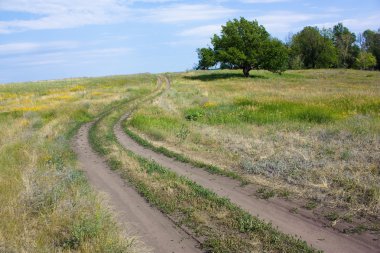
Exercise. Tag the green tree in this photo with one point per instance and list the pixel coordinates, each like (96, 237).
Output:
(241, 44)
(344, 42)
(372, 44)
(365, 61)
(206, 58)
(314, 50)
(275, 58)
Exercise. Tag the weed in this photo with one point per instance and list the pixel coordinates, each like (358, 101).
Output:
(183, 133)
(265, 193)
(283, 193)
(243, 101)
(345, 155)
(332, 216)
(356, 230)
(311, 205)
(194, 114)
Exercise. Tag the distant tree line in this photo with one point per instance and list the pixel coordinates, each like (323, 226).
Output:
(247, 45)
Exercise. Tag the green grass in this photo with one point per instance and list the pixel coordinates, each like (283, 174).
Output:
(156, 126)
(47, 204)
(224, 226)
(313, 133)
(182, 158)
(277, 111)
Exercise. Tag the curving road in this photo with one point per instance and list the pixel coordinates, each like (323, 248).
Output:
(133, 212)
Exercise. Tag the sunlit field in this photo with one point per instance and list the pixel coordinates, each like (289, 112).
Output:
(46, 202)
(309, 134)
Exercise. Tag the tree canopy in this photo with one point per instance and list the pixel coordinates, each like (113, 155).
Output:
(314, 50)
(365, 61)
(247, 45)
(372, 44)
(206, 58)
(344, 42)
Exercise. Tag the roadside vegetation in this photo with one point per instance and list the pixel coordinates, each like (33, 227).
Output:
(218, 224)
(46, 202)
(311, 136)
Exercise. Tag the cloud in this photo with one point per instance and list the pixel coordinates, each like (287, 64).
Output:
(282, 20)
(65, 57)
(17, 48)
(151, 1)
(54, 14)
(358, 24)
(201, 31)
(264, 1)
(55, 52)
(29, 47)
(189, 43)
(287, 21)
(186, 12)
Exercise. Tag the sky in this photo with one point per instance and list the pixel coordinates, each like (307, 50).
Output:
(52, 39)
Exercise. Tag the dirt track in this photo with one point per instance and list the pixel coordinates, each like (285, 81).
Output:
(276, 212)
(133, 212)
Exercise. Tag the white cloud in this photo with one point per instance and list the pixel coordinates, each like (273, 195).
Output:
(279, 21)
(193, 43)
(65, 57)
(55, 14)
(202, 31)
(29, 47)
(286, 21)
(17, 48)
(151, 1)
(263, 1)
(355, 24)
(186, 12)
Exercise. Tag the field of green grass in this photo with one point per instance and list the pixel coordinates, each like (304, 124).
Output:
(46, 203)
(311, 135)
(221, 225)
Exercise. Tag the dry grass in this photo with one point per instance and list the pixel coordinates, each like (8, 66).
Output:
(221, 225)
(313, 133)
(47, 204)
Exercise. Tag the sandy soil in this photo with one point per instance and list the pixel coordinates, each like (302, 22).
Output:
(133, 212)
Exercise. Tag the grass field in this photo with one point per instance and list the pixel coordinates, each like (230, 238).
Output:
(221, 225)
(46, 203)
(311, 135)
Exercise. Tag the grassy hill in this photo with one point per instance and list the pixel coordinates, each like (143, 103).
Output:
(309, 134)
(46, 202)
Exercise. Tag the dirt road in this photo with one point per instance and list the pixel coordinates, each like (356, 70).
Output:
(133, 212)
(276, 212)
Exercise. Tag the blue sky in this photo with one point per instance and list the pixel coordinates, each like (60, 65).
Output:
(50, 39)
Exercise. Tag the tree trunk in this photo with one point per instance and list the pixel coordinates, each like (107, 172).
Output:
(246, 71)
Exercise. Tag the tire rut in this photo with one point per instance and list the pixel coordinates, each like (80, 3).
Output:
(133, 212)
(311, 231)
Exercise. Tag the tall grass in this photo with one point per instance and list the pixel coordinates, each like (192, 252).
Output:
(311, 133)
(222, 226)
(47, 204)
